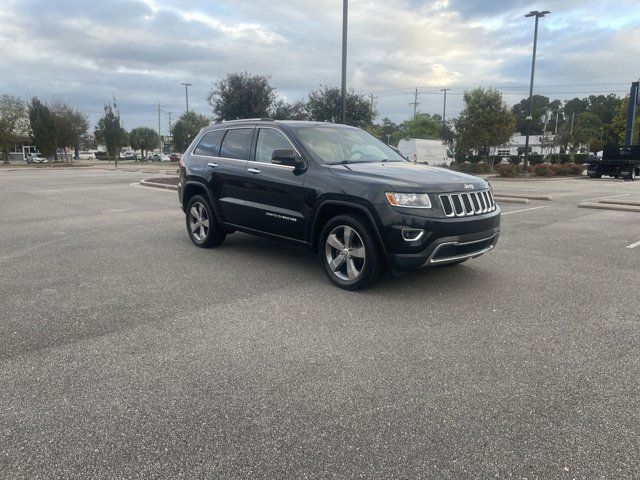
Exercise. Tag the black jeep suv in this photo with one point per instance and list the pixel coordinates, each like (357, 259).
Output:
(336, 190)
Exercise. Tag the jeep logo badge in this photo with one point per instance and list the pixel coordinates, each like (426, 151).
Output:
(468, 186)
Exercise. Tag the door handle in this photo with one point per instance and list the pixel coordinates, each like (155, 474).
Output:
(253, 170)
(212, 165)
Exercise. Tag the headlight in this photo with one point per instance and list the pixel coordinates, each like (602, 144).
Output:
(412, 200)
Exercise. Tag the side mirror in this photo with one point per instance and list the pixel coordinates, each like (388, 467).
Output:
(288, 157)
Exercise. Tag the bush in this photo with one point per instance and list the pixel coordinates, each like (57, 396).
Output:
(580, 157)
(568, 169)
(508, 170)
(515, 160)
(536, 159)
(564, 158)
(474, 168)
(542, 170)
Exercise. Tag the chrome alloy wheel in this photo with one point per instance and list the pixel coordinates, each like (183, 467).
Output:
(345, 253)
(199, 221)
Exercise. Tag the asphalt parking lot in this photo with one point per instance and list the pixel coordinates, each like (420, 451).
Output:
(126, 352)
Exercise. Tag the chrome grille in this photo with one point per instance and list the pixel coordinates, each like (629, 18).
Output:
(466, 204)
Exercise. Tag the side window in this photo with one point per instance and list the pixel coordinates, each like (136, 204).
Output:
(268, 141)
(237, 143)
(209, 145)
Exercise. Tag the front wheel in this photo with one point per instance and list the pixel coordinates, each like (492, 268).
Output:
(202, 227)
(349, 252)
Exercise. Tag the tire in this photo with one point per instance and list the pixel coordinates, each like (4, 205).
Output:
(595, 176)
(632, 174)
(202, 227)
(349, 252)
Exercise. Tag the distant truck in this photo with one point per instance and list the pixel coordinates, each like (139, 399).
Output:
(419, 150)
(620, 161)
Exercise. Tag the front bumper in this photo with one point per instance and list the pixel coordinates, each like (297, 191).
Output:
(446, 240)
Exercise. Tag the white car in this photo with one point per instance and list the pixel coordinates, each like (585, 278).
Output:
(36, 158)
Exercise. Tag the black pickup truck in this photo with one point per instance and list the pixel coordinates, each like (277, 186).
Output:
(616, 162)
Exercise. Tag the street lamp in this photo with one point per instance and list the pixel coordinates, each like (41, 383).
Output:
(537, 15)
(343, 93)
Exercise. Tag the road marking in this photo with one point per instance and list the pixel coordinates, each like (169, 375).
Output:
(634, 245)
(526, 209)
(602, 198)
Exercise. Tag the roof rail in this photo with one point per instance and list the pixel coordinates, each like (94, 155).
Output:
(264, 119)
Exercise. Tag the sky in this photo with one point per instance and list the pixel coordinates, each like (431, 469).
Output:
(140, 51)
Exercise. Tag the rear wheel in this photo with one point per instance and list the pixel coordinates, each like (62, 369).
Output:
(202, 227)
(349, 252)
(632, 174)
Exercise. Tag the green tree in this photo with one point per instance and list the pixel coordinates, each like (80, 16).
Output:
(109, 131)
(422, 126)
(185, 129)
(143, 138)
(241, 95)
(12, 121)
(575, 106)
(384, 130)
(485, 121)
(603, 106)
(43, 128)
(70, 125)
(619, 123)
(588, 130)
(283, 110)
(325, 105)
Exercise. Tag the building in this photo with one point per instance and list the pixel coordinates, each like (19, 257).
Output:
(538, 145)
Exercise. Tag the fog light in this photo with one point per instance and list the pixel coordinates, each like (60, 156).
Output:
(412, 234)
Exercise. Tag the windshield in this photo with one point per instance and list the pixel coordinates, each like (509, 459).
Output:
(345, 145)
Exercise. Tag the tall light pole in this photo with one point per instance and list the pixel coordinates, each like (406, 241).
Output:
(186, 94)
(537, 15)
(345, 15)
(444, 108)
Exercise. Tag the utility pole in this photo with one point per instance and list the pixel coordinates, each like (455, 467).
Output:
(555, 139)
(186, 94)
(343, 92)
(371, 97)
(444, 108)
(169, 115)
(538, 15)
(573, 116)
(415, 103)
(159, 107)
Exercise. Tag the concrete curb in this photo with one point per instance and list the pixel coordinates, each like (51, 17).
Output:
(500, 199)
(523, 195)
(604, 206)
(163, 186)
(635, 203)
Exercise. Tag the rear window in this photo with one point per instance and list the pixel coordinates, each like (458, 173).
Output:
(237, 143)
(210, 143)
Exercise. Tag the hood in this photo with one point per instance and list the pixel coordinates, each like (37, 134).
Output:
(405, 176)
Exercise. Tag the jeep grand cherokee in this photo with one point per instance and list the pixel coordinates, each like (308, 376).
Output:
(336, 190)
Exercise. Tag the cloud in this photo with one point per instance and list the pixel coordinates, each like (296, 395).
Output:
(85, 52)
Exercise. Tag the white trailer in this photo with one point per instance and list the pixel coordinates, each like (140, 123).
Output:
(419, 150)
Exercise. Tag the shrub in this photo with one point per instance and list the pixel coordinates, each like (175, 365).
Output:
(474, 168)
(542, 170)
(507, 170)
(536, 159)
(515, 160)
(580, 157)
(564, 157)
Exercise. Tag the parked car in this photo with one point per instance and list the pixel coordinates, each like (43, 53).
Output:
(128, 155)
(336, 190)
(36, 158)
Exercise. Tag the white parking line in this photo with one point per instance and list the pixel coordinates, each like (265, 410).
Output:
(610, 196)
(526, 209)
(634, 245)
